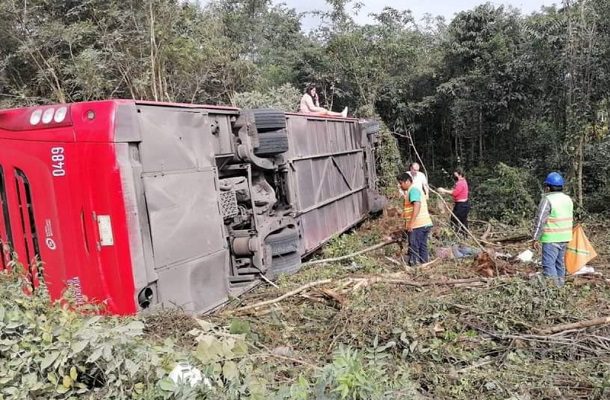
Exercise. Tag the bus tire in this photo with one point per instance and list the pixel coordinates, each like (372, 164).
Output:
(269, 119)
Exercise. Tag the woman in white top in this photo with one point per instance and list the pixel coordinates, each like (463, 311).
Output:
(311, 105)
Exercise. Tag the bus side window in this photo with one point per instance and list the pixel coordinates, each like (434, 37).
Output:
(6, 235)
(26, 209)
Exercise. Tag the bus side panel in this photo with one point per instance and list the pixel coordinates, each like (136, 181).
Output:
(108, 275)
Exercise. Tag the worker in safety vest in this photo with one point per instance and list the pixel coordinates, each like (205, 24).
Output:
(553, 227)
(417, 220)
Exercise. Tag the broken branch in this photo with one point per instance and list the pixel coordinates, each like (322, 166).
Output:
(576, 325)
(284, 296)
(335, 259)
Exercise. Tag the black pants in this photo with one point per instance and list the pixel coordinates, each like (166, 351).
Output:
(460, 213)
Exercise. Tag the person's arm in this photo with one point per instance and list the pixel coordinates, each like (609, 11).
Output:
(424, 185)
(312, 107)
(415, 199)
(544, 209)
(401, 192)
(416, 208)
(445, 191)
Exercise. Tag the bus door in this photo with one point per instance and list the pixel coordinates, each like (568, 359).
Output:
(18, 232)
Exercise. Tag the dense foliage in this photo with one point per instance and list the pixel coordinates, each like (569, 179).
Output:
(61, 351)
(58, 350)
(491, 86)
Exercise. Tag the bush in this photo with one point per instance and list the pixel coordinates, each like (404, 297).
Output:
(504, 193)
(597, 176)
(388, 161)
(62, 351)
(356, 375)
(285, 97)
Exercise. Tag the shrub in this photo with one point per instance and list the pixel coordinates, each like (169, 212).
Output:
(388, 161)
(504, 193)
(61, 351)
(356, 375)
(285, 97)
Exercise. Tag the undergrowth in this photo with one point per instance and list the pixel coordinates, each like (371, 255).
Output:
(58, 350)
(382, 342)
(478, 342)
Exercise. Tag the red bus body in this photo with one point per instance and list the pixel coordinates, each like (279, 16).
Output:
(122, 201)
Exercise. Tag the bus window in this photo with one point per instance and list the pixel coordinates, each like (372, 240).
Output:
(6, 235)
(26, 210)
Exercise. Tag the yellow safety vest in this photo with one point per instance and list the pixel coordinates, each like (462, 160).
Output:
(423, 217)
(558, 227)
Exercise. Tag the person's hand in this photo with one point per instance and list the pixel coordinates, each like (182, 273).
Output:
(410, 227)
(535, 245)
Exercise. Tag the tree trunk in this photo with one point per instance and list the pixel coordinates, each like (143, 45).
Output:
(153, 61)
(581, 160)
(480, 134)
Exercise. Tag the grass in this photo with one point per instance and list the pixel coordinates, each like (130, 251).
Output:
(456, 342)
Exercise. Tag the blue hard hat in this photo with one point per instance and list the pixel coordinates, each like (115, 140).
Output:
(554, 179)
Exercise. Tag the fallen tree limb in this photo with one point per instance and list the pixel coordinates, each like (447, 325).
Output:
(395, 279)
(429, 263)
(474, 366)
(561, 340)
(517, 238)
(286, 295)
(457, 281)
(335, 259)
(270, 353)
(576, 325)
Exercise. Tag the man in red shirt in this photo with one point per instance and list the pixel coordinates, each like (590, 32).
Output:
(461, 207)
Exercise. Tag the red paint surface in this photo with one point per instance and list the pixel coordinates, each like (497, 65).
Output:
(65, 207)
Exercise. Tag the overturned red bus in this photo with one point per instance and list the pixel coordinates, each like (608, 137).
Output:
(140, 205)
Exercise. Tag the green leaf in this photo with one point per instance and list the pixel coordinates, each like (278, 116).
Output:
(79, 346)
(97, 353)
(92, 321)
(47, 337)
(73, 373)
(167, 385)
(52, 378)
(67, 381)
(230, 371)
(205, 325)
(49, 359)
(134, 328)
(131, 367)
(240, 348)
(239, 326)
(62, 389)
(107, 350)
(208, 349)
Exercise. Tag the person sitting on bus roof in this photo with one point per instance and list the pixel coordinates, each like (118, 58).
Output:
(310, 104)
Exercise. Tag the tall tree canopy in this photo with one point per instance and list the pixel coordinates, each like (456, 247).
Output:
(490, 86)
